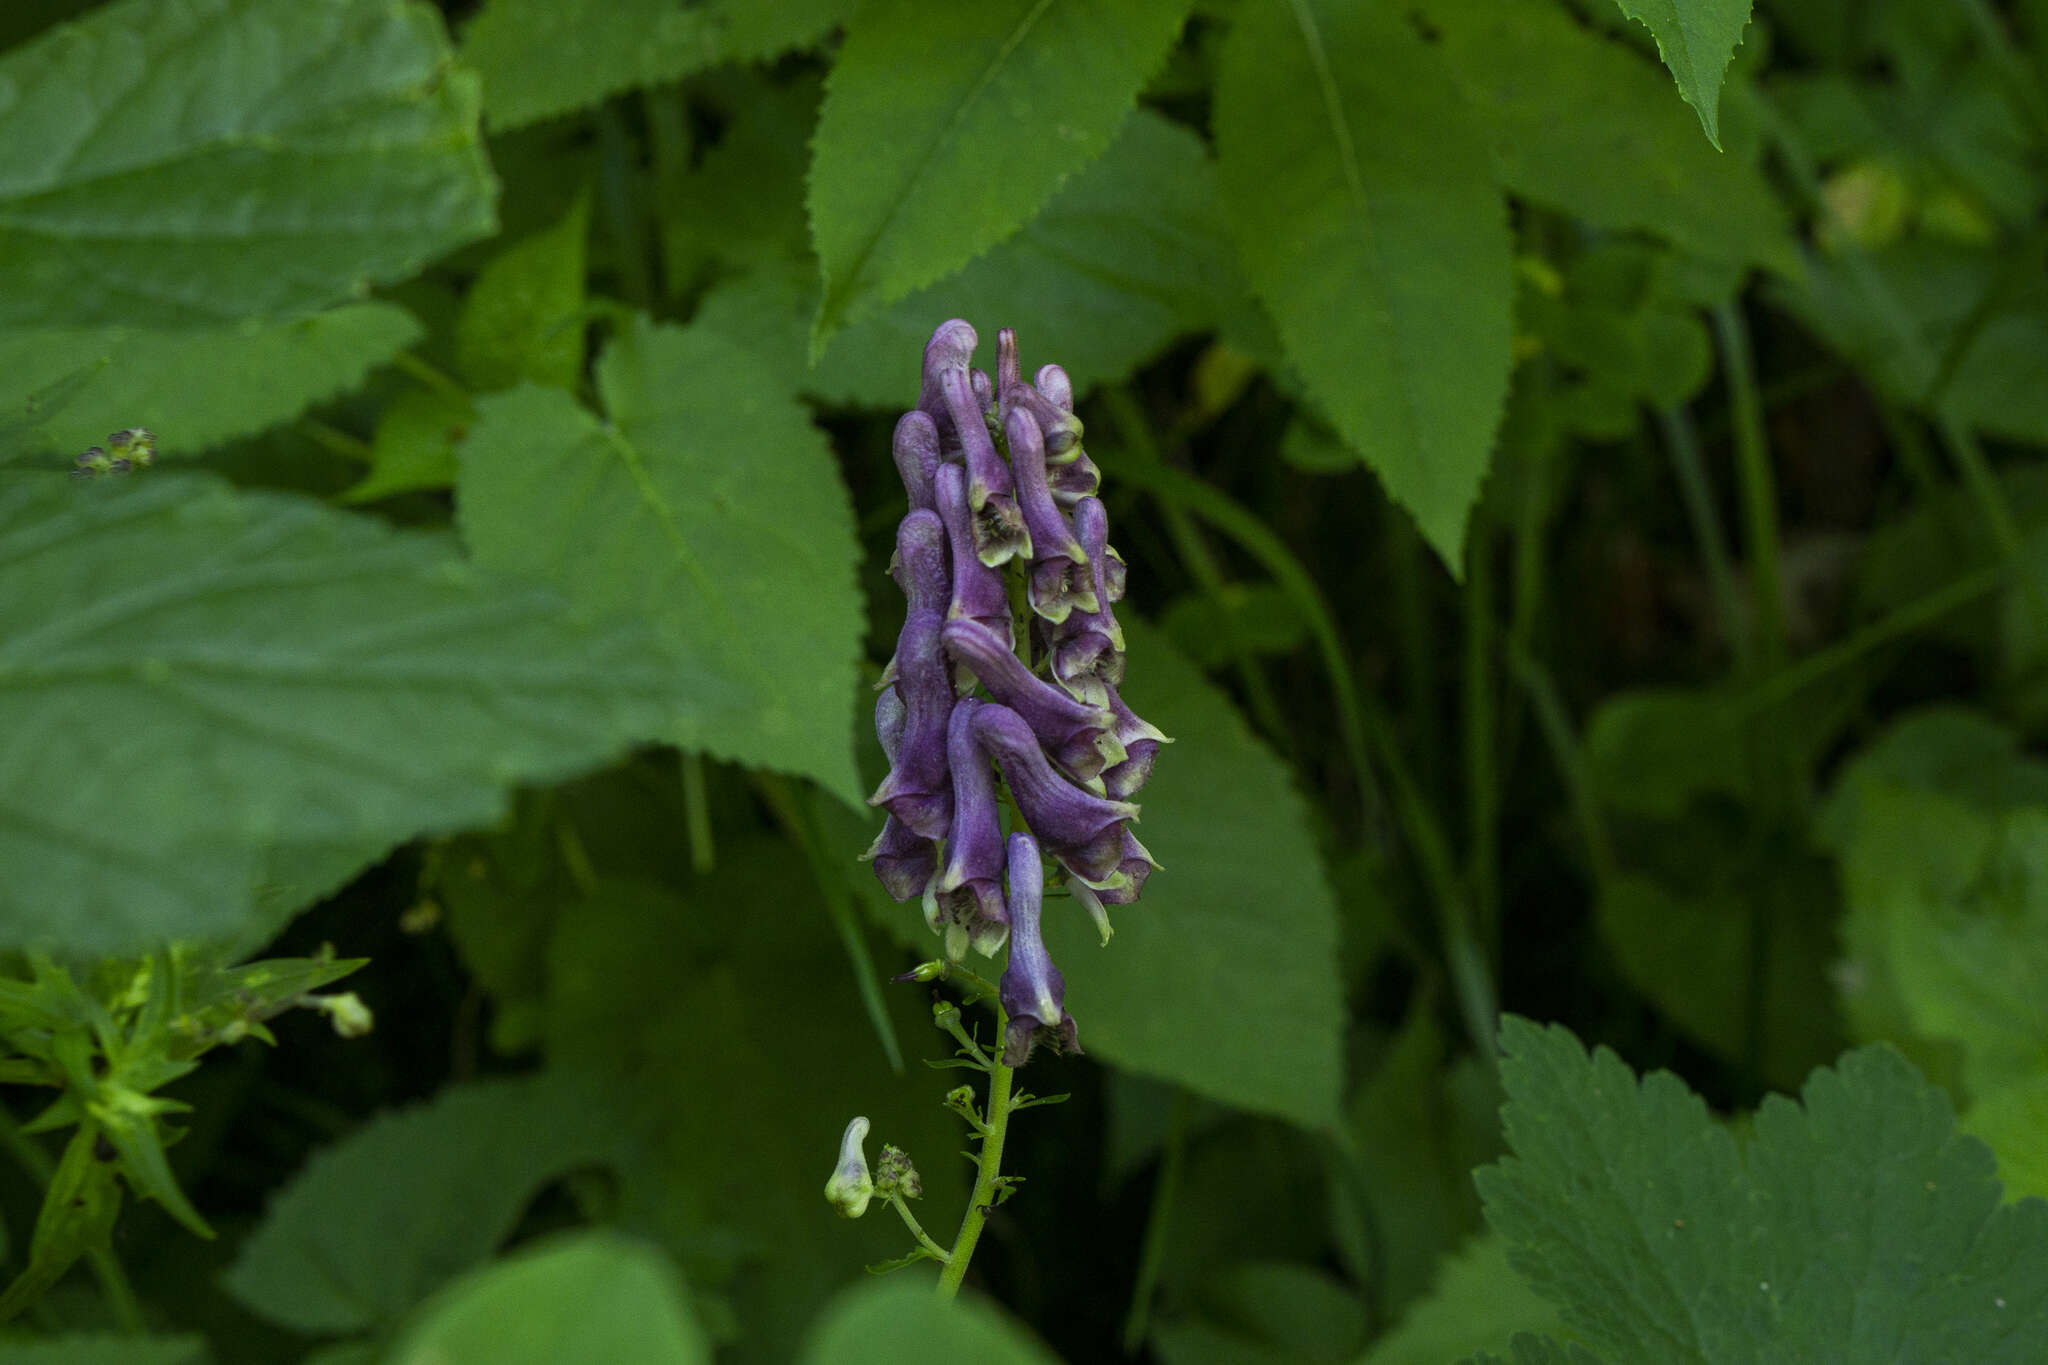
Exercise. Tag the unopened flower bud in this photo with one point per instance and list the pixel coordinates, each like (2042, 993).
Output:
(894, 1174)
(347, 1012)
(851, 1186)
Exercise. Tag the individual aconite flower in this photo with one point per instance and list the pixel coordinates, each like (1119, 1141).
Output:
(1050, 532)
(1032, 991)
(851, 1185)
(916, 449)
(1140, 741)
(1076, 826)
(999, 531)
(965, 901)
(1079, 737)
(918, 791)
(977, 588)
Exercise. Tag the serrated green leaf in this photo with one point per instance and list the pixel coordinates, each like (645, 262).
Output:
(1368, 220)
(709, 507)
(1128, 255)
(592, 1298)
(1581, 124)
(1223, 977)
(198, 387)
(1695, 38)
(912, 179)
(154, 173)
(523, 318)
(82, 1349)
(891, 1321)
(1856, 1225)
(379, 1221)
(1478, 1301)
(415, 443)
(540, 58)
(2013, 1119)
(195, 675)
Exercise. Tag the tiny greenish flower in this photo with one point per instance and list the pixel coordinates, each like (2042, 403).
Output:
(347, 1012)
(895, 1175)
(851, 1186)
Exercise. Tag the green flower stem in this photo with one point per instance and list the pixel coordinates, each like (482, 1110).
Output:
(106, 1266)
(924, 1239)
(990, 1164)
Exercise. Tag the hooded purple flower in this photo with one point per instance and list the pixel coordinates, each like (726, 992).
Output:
(978, 593)
(1074, 479)
(1052, 381)
(1088, 646)
(950, 348)
(1061, 428)
(916, 448)
(1050, 533)
(1134, 864)
(1140, 740)
(917, 790)
(1033, 992)
(1081, 738)
(999, 532)
(965, 902)
(1078, 827)
(905, 861)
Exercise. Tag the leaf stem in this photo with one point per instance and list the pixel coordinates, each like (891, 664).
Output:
(990, 1167)
(924, 1239)
(106, 1266)
(1165, 1190)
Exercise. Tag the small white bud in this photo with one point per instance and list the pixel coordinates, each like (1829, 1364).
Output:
(851, 1186)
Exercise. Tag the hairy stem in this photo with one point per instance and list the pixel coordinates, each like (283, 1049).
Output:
(989, 1165)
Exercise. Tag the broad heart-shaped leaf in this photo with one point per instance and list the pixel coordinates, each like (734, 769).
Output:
(192, 676)
(201, 162)
(540, 58)
(1582, 124)
(709, 507)
(1368, 220)
(587, 1298)
(410, 1200)
(1857, 1224)
(945, 127)
(198, 387)
(1695, 38)
(1223, 977)
(106, 1350)
(1130, 254)
(897, 1320)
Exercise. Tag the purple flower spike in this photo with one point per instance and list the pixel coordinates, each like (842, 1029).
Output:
(905, 861)
(1033, 992)
(999, 532)
(1051, 536)
(1078, 827)
(978, 593)
(1062, 429)
(950, 348)
(1140, 740)
(917, 790)
(1081, 738)
(974, 852)
(1052, 381)
(917, 458)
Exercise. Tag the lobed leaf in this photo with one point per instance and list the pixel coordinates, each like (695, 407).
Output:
(912, 179)
(708, 507)
(195, 676)
(194, 162)
(1368, 220)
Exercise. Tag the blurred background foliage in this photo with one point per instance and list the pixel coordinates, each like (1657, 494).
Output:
(1610, 586)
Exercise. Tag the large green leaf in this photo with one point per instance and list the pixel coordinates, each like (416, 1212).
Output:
(587, 1299)
(1478, 1301)
(1581, 124)
(1695, 38)
(1130, 254)
(374, 1224)
(1368, 219)
(1223, 977)
(894, 1321)
(708, 506)
(194, 675)
(1857, 1224)
(913, 178)
(198, 162)
(199, 387)
(540, 58)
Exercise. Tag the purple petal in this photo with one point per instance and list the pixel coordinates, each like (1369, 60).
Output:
(890, 718)
(917, 790)
(1088, 647)
(974, 850)
(978, 593)
(1140, 740)
(905, 861)
(1134, 864)
(1081, 738)
(999, 532)
(1052, 381)
(920, 567)
(1050, 533)
(1074, 479)
(916, 448)
(1033, 992)
(1008, 372)
(1062, 429)
(950, 348)
(1058, 586)
(1077, 826)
